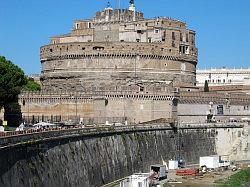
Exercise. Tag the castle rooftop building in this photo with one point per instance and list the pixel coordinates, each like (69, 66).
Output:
(224, 79)
(119, 47)
(223, 76)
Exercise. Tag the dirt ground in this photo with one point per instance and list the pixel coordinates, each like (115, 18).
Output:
(205, 180)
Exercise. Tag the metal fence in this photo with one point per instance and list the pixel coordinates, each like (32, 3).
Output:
(81, 120)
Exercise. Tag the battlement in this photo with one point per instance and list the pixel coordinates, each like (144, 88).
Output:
(130, 92)
(124, 48)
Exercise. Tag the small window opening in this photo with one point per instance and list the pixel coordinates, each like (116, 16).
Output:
(89, 25)
(186, 37)
(173, 35)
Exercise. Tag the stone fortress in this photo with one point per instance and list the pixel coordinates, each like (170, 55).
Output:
(121, 67)
(118, 48)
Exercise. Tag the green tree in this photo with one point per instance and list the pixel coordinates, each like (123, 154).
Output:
(206, 87)
(32, 85)
(11, 81)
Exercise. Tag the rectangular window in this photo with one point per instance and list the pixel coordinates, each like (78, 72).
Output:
(220, 110)
(181, 37)
(156, 31)
(89, 25)
(173, 35)
(186, 50)
(77, 26)
(164, 36)
(186, 37)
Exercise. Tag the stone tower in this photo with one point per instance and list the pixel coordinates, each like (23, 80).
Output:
(118, 48)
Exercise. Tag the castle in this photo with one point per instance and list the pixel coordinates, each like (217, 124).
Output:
(119, 66)
(119, 48)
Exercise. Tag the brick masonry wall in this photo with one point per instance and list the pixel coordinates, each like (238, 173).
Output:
(89, 159)
(77, 65)
(133, 107)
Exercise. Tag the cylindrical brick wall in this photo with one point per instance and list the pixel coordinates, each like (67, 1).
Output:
(79, 65)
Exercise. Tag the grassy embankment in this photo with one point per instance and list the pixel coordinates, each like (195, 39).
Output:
(238, 179)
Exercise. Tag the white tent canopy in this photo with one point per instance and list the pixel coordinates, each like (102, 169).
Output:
(43, 124)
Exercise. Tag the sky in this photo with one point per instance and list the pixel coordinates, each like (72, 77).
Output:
(222, 26)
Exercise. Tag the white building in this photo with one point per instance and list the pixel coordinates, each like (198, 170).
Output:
(223, 76)
(210, 161)
(136, 180)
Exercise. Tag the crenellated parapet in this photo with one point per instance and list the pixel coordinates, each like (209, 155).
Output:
(114, 49)
(166, 94)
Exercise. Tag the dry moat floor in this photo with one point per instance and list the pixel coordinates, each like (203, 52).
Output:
(219, 178)
(241, 177)
(206, 180)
